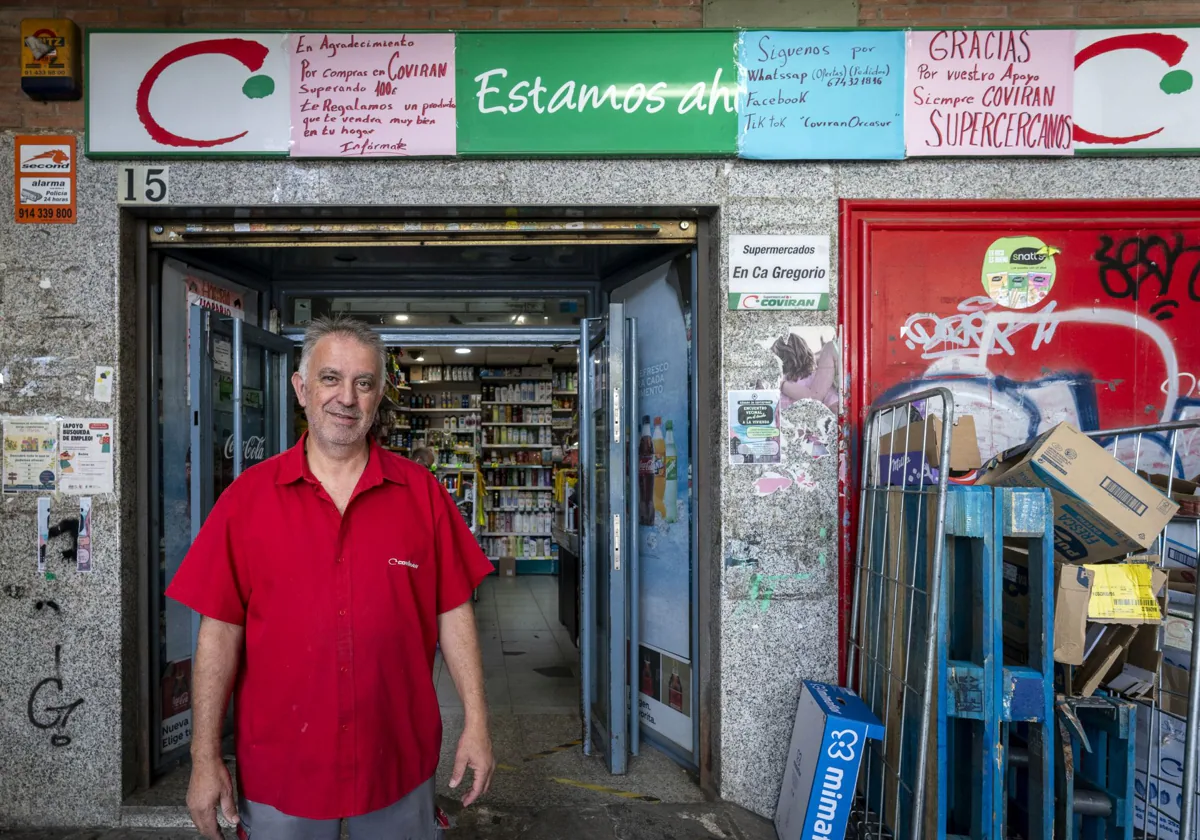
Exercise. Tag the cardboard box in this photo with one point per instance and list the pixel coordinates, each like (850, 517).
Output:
(1161, 745)
(1111, 594)
(1180, 549)
(828, 740)
(1102, 509)
(911, 461)
(506, 567)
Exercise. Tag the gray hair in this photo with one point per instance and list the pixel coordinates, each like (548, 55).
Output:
(344, 327)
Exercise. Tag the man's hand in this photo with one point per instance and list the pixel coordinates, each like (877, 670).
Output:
(474, 751)
(209, 787)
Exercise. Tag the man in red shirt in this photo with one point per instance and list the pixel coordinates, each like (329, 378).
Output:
(326, 577)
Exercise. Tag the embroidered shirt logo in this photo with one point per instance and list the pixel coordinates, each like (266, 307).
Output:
(395, 562)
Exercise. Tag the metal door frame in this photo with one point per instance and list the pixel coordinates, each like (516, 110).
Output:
(620, 407)
(707, 305)
(205, 325)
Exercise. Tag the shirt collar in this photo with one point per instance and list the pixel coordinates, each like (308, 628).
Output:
(293, 466)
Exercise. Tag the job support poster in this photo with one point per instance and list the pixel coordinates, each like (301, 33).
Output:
(821, 95)
(30, 446)
(85, 456)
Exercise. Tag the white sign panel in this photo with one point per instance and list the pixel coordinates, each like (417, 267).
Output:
(779, 272)
(195, 92)
(1137, 89)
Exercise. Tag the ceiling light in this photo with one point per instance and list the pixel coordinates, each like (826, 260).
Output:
(520, 319)
(421, 358)
(401, 317)
(545, 317)
(462, 351)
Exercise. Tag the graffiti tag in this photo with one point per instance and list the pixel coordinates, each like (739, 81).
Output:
(1127, 266)
(976, 330)
(52, 717)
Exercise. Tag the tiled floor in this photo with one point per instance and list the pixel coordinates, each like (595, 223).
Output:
(531, 670)
(530, 662)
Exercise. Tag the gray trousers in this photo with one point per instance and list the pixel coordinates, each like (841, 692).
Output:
(412, 818)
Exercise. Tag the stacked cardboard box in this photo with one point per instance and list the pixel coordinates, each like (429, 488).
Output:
(1109, 606)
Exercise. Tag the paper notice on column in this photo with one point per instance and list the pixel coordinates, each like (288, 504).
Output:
(85, 456)
(373, 95)
(30, 444)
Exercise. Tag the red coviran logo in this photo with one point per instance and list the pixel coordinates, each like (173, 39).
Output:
(251, 54)
(1168, 48)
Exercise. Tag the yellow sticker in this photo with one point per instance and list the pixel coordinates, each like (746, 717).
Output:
(1123, 592)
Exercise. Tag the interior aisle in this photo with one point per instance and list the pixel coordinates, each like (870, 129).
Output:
(530, 662)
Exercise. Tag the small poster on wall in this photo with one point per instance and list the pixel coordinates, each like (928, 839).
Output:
(85, 456)
(754, 427)
(989, 92)
(30, 444)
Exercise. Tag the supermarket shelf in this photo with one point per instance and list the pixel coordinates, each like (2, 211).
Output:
(519, 559)
(542, 404)
(518, 446)
(517, 487)
(513, 534)
(396, 448)
(441, 410)
(566, 393)
(445, 382)
(516, 378)
(564, 411)
(491, 465)
(521, 425)
(516, 510)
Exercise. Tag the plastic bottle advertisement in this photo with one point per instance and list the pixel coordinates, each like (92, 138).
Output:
(663, 668)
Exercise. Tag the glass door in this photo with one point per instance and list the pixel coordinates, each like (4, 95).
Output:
(608, 540)
(241, 400)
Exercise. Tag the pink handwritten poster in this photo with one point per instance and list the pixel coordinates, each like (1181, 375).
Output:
(989, 92)
(373, 95)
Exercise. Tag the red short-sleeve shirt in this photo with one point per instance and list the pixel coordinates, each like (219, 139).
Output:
(335, 707)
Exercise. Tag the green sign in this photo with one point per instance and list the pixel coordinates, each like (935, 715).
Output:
(597, 93)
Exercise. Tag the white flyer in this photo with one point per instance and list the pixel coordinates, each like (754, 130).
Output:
(779, 272)
(85, 456)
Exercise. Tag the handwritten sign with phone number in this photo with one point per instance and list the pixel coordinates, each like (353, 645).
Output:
(821, 95)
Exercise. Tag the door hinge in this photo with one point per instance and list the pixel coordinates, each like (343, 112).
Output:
(616, 415)
(616, 542)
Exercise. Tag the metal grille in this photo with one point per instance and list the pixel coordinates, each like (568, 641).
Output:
(1166, 718)
(892, 643)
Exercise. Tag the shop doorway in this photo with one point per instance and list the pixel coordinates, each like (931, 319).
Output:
(554, 380)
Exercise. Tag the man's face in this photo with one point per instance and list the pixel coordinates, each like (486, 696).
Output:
(342, 392)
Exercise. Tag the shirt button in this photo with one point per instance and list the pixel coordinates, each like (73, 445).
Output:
(340, 559)
(344, 669)
(341, 612)
(345, 727)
